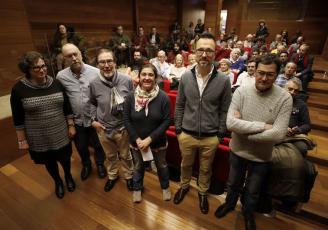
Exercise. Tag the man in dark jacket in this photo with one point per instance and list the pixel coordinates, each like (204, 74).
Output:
(203, 100)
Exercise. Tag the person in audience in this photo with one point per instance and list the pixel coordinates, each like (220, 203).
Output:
(135, 66)
(163, 68)
(247, 77)
(220, 39)
(304, 62)
(139, 41)
(276, 42)
(255, 53)
(261, 33)
(249, 43)
(190, 31)
(297, 34)
(201, 125)
(224, 67)
(284, 36)
(175, 30)
(76, 80)
(107, 94)
(154, 43)
(43, 119)
(62, 36)
(222, 51)
(192, 61)
(147, 117)
(293, 48)
(299, 122)
(243, 52)
(177, 69)
(199, 28)
(258, 118)
(121, 44)
(283, 57)
(232, 36)
(172, 54)
(237, 63)
(290, 71)
(193, 42)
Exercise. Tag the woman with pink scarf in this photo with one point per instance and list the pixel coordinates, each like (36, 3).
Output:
(147, 117)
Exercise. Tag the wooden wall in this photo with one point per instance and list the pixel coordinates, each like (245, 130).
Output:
(15, 39)
(212, 16)
(310, 18)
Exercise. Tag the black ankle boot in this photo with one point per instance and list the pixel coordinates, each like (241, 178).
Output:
(70, 183)
(59, 189)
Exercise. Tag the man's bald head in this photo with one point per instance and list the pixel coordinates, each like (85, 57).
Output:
(73, 57)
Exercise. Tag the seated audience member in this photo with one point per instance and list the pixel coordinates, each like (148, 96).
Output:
(304, 62)
(284, 36)
(224, 67)
(193, 42)
(258, 117)
(247, 77)
(220, 39)
(199, 28)
(243, 52)
(184, 43)
(222, 51)
(192, 61)
(139, 41)
(62, 36)
(297, 34)
(299, 122)
(121, 45)
(232, 36)
(261, 33)
(283, 57)
(248, 43)
(172, 53)
(293, 48)
(177, 69)
(147, 117)
(135, 66)
(154, 43)
(107, 95)
(43, 120)
(289, 73)
(280, 47)
(255, 54)
(190, 31)
(237, 63)
(277, 41)
(163, 68)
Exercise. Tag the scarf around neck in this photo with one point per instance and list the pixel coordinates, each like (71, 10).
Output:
(143, 98)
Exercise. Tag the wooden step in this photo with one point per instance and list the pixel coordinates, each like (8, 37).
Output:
(318, 100)
(318, 87)
(319, 118)
(320, 153)
(319, 76)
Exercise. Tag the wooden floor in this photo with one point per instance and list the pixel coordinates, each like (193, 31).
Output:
(28, 202)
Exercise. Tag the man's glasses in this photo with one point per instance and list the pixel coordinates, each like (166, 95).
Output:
(104, 62)
(208, 52)
(38, 68)
(269, 75)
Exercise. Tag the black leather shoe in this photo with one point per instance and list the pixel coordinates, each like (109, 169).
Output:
(109, 184)
(129, 184)
(223, 210)
(249, 222)
(101, 171)
(203, 203)
(180, 194)
(59, 190)
(86, 171)
(70, 183)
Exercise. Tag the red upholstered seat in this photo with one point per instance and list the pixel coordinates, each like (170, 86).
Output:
(172, 97)
(166, 86)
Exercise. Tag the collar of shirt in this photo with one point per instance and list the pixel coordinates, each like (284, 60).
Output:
(202, 81)
(78, 76)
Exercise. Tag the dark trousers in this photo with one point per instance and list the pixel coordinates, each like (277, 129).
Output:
(139, 169)
(256, 173)
(85, 136)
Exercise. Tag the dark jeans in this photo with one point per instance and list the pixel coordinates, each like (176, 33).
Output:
(139, 169)
(256, 173)
(85, 136)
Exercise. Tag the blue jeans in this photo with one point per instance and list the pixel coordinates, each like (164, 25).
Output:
(256, 174)
(85, 136)
(139, 169)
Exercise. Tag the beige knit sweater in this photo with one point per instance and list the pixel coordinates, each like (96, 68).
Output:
(250, 140)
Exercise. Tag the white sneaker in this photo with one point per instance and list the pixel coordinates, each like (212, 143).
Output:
(136, 197)
(271, 214)
(167, 194)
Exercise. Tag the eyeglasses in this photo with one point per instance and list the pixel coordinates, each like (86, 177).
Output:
(269, 75)
(38, 68)
(104, 62)
(208, 52)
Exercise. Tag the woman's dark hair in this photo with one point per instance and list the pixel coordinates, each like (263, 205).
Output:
(27, 61)
(149, 66)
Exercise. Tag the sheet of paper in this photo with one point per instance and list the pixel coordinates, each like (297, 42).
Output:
(147, 155)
